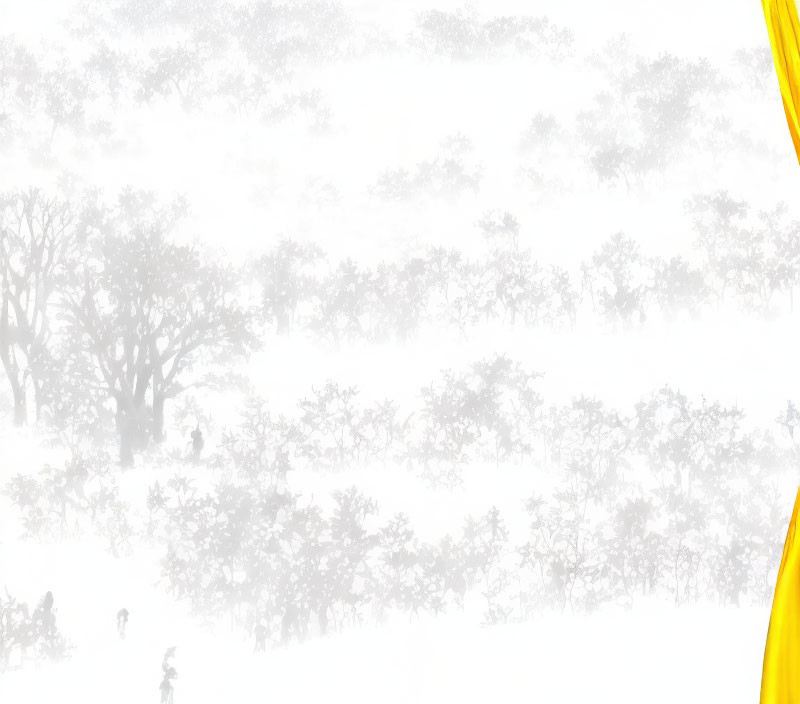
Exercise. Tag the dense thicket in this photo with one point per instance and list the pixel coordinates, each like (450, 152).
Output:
(674, 497)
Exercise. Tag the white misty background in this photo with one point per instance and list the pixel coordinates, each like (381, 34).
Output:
(485, 314)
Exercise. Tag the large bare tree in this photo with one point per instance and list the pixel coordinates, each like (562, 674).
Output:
(147, 311)
(36, 231)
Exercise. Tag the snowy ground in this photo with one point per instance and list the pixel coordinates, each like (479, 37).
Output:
(653, 652)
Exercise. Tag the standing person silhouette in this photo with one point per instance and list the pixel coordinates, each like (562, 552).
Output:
(197, 443)
(780, 677)
(44, 617)
(170, 674)
(122, 622)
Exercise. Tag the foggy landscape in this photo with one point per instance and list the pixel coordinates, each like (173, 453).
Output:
(393, 351)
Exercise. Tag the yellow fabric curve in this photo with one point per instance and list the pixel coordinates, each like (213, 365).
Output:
(780, 678)
(784, 36)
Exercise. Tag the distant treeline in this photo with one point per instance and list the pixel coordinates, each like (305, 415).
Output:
(748, 260)
(107, 316)
(213, 56)
(675, 498)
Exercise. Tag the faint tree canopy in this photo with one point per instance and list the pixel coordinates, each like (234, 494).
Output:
(649, 113)
(146, 310)
(462, 34)
(38, 236)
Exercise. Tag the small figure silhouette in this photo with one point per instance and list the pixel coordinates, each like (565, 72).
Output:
(261, 637)
(43, 616)
(167, 690)
(122, 622)
(197, 443)
(170, 674)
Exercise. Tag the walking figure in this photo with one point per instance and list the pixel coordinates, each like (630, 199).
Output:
(197, 443)
(169, 675)
(122, 621)
(261, 637)
(43, 616)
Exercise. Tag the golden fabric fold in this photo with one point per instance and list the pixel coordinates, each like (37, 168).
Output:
(784, 35)
(780, 678)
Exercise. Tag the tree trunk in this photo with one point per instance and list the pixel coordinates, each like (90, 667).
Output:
(20, 404)
(132, 431)
(126, 445)
(37, 398)
(16, 381)
(282, 323)
(158, 418)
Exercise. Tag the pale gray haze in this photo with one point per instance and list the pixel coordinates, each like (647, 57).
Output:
(393, 351)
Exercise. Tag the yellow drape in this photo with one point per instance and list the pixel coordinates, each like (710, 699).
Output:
(784, 36)
(780, 678)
